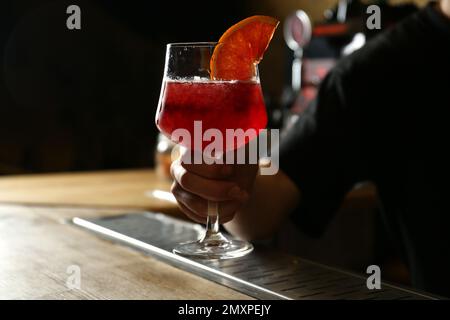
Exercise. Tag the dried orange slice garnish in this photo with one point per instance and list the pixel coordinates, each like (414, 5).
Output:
(242, 47)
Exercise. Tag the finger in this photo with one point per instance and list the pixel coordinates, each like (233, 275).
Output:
(224, 217)
(180, 196)
(191, 215)
(218, 169)
(210, 171)
(199, 205)
(194, 203)
(227, 214)
(214, 190)
(197, 208)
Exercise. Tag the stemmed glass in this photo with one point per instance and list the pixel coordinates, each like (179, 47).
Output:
(190, 97)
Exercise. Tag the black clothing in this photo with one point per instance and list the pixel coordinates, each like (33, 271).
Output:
(382, 114)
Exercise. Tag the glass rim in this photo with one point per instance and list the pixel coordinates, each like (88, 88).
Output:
(200, 44)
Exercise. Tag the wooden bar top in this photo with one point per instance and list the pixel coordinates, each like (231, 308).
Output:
(133, 189)
(37, 247)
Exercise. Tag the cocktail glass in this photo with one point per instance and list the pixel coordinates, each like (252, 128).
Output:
(189, 97)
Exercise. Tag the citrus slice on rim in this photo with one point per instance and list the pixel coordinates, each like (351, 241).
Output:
(241, 48)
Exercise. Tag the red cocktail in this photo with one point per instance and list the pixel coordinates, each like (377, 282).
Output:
(217, 104)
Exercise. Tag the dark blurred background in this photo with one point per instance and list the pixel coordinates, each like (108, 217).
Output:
(85, 100)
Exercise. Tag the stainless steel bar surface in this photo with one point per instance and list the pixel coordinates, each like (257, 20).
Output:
(263, 274)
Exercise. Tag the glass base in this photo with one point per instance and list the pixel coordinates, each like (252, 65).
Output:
(213, 249)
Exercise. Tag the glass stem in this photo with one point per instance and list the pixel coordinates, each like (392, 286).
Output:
(212, 222)
(213, 236)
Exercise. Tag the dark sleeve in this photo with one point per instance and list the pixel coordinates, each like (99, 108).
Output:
(321, 153)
